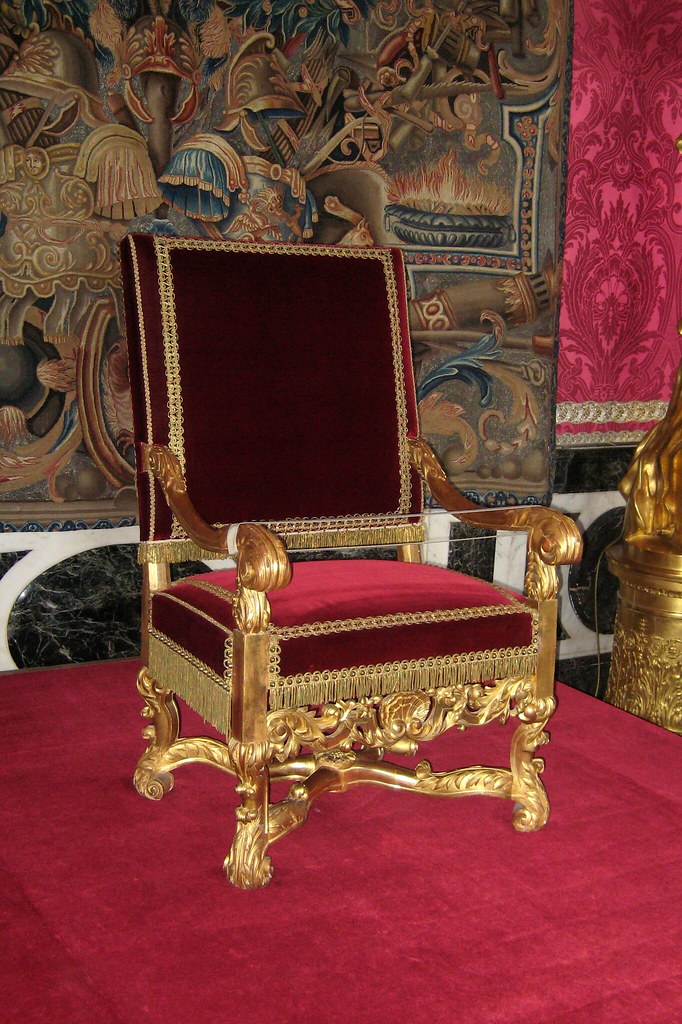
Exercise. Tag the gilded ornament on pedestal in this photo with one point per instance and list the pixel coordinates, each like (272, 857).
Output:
(646, 666)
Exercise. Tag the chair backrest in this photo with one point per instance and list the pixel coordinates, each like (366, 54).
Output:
(281, 378)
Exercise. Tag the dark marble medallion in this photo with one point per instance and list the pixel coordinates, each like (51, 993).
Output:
(592, 589)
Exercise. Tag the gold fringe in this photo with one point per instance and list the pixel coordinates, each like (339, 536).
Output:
(185, 550)
(381, 680)
(209, 694)
(206, 692)
(413, 533)
(153, 552)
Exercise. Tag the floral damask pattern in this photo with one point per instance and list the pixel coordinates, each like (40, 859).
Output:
(622, 291)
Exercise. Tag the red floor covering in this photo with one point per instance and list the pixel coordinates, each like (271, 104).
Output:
(385, 907)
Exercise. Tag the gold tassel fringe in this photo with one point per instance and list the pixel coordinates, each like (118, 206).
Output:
(381, 680)
(154, 552)
(206, 692)
(412, 533)
(185, 550)
(209, 694)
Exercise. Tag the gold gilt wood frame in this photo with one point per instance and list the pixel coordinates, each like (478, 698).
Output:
(342, 739)
(326, 730)
(397, 528)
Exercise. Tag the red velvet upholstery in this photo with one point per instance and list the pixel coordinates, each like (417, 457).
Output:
(289, 389)
(273, 385)
(344, 600)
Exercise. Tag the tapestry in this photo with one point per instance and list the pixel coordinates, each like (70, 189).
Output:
(622, 294)
(435, 126)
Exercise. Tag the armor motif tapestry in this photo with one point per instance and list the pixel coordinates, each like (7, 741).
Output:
(436, 126)
(622, 293)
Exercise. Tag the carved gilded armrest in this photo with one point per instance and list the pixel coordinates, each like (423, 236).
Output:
(262, 561)
(553, 538)
(165, 467)
(262, 565)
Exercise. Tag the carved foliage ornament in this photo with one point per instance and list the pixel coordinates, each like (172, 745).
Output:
(382, 722)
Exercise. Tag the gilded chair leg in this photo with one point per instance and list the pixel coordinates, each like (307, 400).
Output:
(150, 779)
(528, 791)
(247, 866)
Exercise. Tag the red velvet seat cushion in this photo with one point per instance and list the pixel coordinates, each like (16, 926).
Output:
(340, 614)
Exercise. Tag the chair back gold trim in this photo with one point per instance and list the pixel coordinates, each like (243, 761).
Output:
(336, 533)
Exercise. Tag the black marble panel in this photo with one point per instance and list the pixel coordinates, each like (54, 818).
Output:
(591, 469)
(589, 674)
(388, 554)
(472, 551)
(592, 589)
(8, 559)
(86, 608)
(182, 569)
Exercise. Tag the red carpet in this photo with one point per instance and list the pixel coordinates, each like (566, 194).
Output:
(385, 907)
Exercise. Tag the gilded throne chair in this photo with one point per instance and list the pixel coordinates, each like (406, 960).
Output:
(274, 411)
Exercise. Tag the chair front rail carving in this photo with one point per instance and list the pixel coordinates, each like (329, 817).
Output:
(348, 740)
(382, 722)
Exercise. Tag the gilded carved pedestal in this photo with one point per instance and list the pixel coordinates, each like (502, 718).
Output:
(646, 666)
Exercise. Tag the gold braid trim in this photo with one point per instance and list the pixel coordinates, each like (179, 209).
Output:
(402, 619)
(185, 550)
(600, 437)
(145, 379)
(393, 677)
(171, 354)
(202, 688)
(610, 412)
(163, 248)
(212, 588)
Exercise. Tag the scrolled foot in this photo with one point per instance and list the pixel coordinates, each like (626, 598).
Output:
(532, 805)
(532, 811)
(151, 779)
(150, 783)
(247, 865)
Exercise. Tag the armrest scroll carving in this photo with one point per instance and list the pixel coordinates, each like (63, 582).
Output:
(262, 565)
(553, 538)
(164, 465)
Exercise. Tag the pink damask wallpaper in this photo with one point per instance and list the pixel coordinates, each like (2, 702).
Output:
(622, 295)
